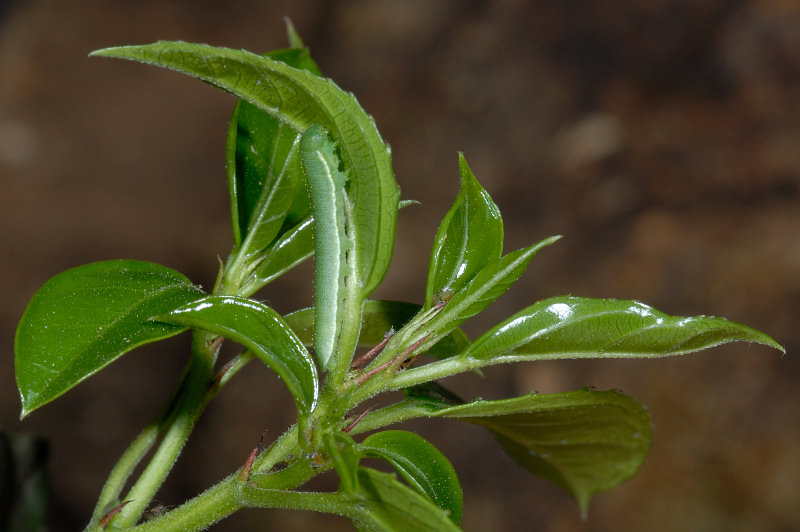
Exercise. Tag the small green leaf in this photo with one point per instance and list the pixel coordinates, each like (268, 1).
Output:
(470, 235)
(264, 176)
(83, 319)
(383, 504)
(265, 180)
(488, 284)
(378, 318)
(300, 99)
(577, 327)
(261, 329)
(421, 464)
(290, 249)
(344, 456)
(585, 441)
(336, 237)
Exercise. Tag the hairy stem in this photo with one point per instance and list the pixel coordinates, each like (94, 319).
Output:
(190, 404)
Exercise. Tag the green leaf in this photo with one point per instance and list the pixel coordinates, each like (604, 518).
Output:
(265, 180)
(344, 456)
(83, 319)
(290, 249)
(261, 329)
(383, 504)
(300, 99)
(264, 176)
(585, 441)
(378, 318)
(336, 237)
(470, 235)
(488, 284)
(420, 464)
(576, 327)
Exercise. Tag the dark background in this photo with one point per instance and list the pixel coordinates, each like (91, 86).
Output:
(661, 138)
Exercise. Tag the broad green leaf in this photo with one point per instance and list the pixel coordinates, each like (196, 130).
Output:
(265, 180)
(83, 319)
(336, 237)
(470, 235)
(262, 330)
(301, 99)
(577, 327)
(488, 284)
(290, 249)
(384, 504)
(378, 318)
(420, 464)
(585, 441)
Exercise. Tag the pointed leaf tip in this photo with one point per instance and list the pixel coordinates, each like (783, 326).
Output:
(578, 327)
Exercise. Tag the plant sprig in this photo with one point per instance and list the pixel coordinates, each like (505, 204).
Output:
(309, 175)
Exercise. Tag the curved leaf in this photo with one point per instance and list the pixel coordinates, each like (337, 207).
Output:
(421, 464)
(488, 284)
(265, 181)
(585, 441)
(300, 99)
(83, 319)
(383, 504)
(572, 327)
(290, 249)
(378, 318)
(470, 235)
(261, 329)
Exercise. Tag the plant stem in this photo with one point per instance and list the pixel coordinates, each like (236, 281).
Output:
(199, 513)
(430, 372)
(190, 404)
(329, 503)
(122, 471)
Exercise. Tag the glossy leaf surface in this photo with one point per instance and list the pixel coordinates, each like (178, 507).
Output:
(585, 441)
(421, 465)
(84, 318)
(572, 327)
(384, 504)
(488, 284)
(290, 249)
(261, 329)
(299, 99)
(379, 317)
(469, 236)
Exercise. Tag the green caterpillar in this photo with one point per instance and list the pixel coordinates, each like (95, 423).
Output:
(333, 248)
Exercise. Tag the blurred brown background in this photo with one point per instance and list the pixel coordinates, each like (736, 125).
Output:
(661, 138)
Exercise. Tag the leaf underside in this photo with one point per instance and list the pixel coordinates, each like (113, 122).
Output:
(585, 441)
